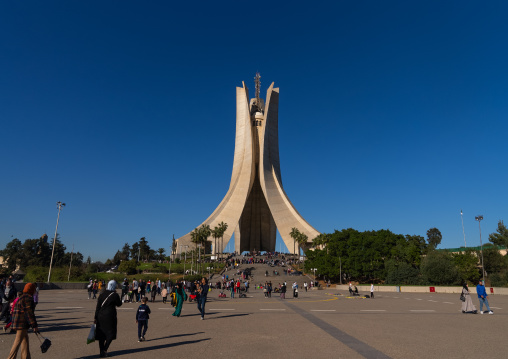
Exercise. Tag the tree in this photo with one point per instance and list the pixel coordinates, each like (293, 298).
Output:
(135, 251)
(295, 234)
(12, 254)
(467, 265)
(434, 237)
(223, 228)
(161, 252)
(216, 233)
(501, 237)
(302, 241)
(144, 248)
(438, 268)
(126, 251)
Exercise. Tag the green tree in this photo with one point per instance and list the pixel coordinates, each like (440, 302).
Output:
(144, 248)
(493, 261)
(295, 234)
(12, 254)
(135, 251)
(438, 268)
(160, 253)
(128, 267)
(501, 237)
(126, 251)
(223, 228)
(467, 265)
(434, 237)
(216, 234)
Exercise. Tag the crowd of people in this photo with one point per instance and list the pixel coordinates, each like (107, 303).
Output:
(18, 308)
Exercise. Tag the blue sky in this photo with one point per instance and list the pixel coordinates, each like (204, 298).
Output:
(393, 115)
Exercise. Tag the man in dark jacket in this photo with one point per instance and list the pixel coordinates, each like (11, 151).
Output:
(8, 294)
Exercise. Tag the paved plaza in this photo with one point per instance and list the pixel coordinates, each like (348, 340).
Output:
(318, 324)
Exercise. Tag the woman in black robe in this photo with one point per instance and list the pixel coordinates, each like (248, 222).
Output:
(105, 318)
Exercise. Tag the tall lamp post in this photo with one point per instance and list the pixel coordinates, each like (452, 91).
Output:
(463, 232)
(314, 270)
(184, 261)
(340, 273)
(59, 205)
(479, 218)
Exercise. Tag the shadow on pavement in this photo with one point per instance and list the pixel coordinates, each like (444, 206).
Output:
(144, 349)
(174, 336)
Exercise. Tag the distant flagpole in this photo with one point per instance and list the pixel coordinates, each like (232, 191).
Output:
(465, 245)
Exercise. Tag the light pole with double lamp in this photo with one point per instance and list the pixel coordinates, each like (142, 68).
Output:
(479, 218)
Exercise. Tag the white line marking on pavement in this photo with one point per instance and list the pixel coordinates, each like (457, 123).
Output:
(448, 303)
(396, 297)
(274, 309)
(434, 301)
(322, 310)
(373, 310)
(221, 309)
(496, 308)
(82, 307)
(418, 299)
(422, 310)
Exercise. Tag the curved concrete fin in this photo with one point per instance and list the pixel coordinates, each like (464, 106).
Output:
(284, 213)
(231, 206)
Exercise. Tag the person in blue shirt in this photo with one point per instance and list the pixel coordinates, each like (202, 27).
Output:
(142, 316)
(482, 297)
(203, 292)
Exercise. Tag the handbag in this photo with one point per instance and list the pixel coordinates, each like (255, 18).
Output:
(462, 297)
(44, 344)
(91, 335)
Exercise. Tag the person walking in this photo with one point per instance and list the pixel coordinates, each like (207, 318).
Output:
(283, 291)
(482, 297)
(372, 290)
(8, 294)
(202, 294)
(90, 288)
(181, 297)
(142, 316)
(135, 289)
(105, 317)
(125, 290)
(467, 303)
(23, 318)
(95, 287)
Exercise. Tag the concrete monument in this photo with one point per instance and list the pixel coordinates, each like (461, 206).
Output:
(256, 204)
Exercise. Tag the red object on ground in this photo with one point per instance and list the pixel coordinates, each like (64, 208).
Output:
(433, 289)
(491, 290)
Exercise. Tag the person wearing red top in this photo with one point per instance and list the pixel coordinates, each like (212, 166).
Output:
(23, 318)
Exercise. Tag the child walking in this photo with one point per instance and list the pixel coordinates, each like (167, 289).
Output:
(142, 316)
(13, 304)
(164, 294)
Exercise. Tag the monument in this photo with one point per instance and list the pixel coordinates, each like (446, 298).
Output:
(256, 205)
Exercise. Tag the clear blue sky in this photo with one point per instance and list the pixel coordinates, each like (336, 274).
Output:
(393, 115)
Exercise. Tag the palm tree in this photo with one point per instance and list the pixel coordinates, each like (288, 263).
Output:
(222, 227)
(204, 233)
(302, 242)
(194, 239)
(216, 234)
(295, 234)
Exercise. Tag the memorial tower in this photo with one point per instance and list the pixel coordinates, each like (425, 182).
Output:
(256, 205)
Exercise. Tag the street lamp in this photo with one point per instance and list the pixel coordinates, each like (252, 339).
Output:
(463, 232)
(479, 218)
(314, 270)
(59, 205)
(184, 261)
(208, 272)
(340, 278)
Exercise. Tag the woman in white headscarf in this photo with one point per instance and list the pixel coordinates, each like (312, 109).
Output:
(105, 317)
